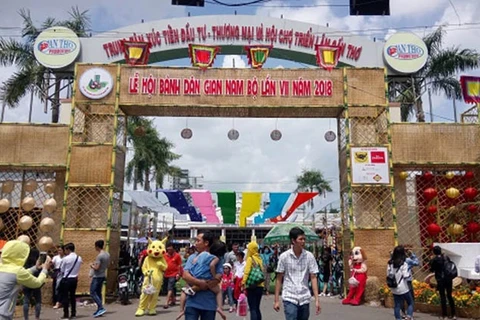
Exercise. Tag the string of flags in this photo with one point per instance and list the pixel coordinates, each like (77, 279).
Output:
(203, 207)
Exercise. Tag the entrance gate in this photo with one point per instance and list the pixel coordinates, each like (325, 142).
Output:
(105, 95)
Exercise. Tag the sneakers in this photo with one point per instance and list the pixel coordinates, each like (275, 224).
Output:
(329, 294)
(99, 313)
(230, 310)
(322, 294)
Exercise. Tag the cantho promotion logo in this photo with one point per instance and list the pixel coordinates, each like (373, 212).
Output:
(405, 52)
(95, 83)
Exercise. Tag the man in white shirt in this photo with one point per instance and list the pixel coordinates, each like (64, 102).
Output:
(69, 270)
(295, 267)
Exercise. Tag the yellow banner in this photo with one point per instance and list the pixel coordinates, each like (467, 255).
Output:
(250, 204)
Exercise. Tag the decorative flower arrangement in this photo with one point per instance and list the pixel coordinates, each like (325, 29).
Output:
(463, 296)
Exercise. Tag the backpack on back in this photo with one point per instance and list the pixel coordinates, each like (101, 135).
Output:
(392, 280)
(449, 269)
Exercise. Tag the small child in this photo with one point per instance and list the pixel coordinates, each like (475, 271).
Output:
(204, 267)
(227, 286)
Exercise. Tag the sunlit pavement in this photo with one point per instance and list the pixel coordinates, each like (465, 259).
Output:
(331, 309)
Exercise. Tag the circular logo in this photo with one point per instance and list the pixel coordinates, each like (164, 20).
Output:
(330, 136)
(233, 134)
(95, 83)
(405, 52)
(276, 135)
(56, 47)
(186, 133)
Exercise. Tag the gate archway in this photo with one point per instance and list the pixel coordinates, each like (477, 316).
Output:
(355, 96)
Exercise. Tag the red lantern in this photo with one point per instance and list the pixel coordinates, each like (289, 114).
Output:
(428, 176)
(430, 193)
(472, 208)
(473, 227)
(469, 175)
(470, 193)
(432, 209)
(433, 229)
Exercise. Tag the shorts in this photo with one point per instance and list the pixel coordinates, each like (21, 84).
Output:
(171, 283)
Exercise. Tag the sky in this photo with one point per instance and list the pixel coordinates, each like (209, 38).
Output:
(254, 162)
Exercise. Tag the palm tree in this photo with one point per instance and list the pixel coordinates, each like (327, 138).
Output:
(312, 180)
(438, 74)
(152, 154)
(30, 76)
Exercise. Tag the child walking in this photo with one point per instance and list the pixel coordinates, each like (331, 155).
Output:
(227, 286)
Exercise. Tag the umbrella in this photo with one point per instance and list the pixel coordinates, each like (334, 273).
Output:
(279, 233)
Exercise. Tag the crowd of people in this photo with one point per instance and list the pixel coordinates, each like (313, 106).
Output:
(24, 268)
(214, 277)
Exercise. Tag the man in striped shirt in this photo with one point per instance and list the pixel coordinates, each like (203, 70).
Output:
(295, 267)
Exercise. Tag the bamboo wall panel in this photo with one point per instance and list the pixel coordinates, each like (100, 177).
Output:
(366, 87)
(91, 164)
(439, 143)
(33, 144)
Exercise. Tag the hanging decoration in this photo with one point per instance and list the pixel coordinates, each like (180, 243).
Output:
(428, 176)
(469, 175)
(47, 224)
(7, 186)
(449, 175)
(202, 199)
(470, 193)
(233, 134)
(257, 55)
(472, 227)
(178, 201)
(403, 175)
(186, 132)
(50, 205)
(202, 56)
(227, 202)
(452, 193)
(28, 204)
(276, 134)
(472, 208)
(301, 198)
(330, 136)
(327, 56)
(432, 209)
(274, 209)
(136, 52)
(31, 185)
(50, 187)
(470, 89)
(434, 229)
(251, 202)
(430, 194)
(45, 243)
(24, 238)
(25, 223)
(4, 205)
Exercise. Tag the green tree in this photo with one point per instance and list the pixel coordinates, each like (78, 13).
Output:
(312, 180)
(438, 74)
(152, 154)
(30, 75)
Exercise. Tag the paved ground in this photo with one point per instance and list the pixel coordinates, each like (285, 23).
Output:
(331, 309)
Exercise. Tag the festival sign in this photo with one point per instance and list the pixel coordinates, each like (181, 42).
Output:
(370, 165)
(235, 87)
(292, 40)
(56, 47)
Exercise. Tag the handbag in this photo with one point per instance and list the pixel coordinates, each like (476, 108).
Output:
(63, 279)
(149, 289)
(353, 281)
(256, 276)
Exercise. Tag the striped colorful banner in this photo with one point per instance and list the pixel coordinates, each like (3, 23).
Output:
(202, 199)
(277, 202)
(301, 198)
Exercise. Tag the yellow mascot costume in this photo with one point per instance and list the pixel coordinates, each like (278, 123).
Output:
(153, 267)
